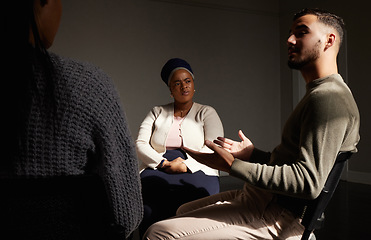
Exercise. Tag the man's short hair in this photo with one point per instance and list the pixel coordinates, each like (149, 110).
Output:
(325, 17)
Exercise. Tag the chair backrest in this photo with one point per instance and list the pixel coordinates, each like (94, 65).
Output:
(54, 208)
(314, 213)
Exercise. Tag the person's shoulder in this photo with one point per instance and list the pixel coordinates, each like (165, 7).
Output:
(331, 96)
(165, 107)
(66, 62)
(76, 68)
(203, 107)
(74, 72)
(332, 84)
(333, 88)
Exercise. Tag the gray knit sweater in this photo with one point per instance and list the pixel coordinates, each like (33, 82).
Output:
(324, 122)
(92, 136)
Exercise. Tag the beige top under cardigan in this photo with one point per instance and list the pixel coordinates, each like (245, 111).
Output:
(323, 123)
(201, 123)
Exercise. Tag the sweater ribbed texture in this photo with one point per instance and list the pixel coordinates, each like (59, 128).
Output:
(91, 136)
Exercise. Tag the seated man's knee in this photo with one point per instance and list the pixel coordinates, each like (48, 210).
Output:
(159, 230)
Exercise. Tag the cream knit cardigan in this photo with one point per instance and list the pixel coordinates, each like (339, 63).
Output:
(201, 123)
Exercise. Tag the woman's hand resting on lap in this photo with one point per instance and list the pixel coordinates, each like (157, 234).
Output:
(175, 166)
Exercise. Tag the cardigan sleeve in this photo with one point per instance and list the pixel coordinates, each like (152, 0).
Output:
(149, 156)
(212, 128)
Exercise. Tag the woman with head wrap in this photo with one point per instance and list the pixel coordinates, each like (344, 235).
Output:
(170, 177)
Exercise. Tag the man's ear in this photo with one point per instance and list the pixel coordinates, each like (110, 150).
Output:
(330, 41)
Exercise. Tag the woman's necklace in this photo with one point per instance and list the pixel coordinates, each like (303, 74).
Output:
(183, 113)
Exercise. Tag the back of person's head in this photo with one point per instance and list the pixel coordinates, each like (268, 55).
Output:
(327, 18)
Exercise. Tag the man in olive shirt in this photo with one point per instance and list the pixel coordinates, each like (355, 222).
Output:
(324, 122)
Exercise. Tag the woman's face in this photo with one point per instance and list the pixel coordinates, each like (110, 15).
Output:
(48, 17)
(181, 86)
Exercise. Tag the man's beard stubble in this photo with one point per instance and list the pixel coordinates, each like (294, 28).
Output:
(310, 56)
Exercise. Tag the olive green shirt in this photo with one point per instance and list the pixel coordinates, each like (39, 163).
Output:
(323, 123)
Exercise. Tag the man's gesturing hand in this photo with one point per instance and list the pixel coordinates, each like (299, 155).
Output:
(241, 150)
(221, 159)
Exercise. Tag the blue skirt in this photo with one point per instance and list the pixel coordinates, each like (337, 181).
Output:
(163, 193)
